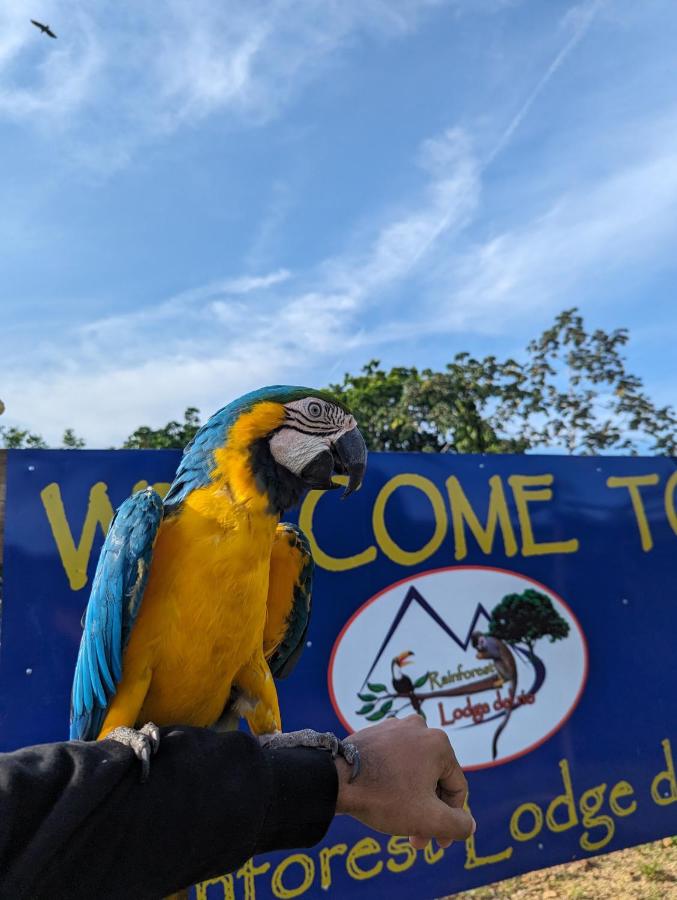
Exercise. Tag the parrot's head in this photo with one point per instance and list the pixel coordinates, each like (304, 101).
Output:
(290, 439)
(316, 439)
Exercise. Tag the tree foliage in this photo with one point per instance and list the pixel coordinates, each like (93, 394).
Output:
(172, 435)
(526, 617)
(17, 439)
(70, 440)
(571, 391)
(579, 395)
(12, 438)
(453, 410)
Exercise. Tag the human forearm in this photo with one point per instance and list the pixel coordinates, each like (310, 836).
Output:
(76, 822)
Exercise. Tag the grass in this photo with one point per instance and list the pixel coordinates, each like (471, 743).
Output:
(647, 872)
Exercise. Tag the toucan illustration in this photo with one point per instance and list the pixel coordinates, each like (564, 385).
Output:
(402, 684)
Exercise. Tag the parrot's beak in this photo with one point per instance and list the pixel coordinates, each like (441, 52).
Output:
(350, 458)
(346, 456)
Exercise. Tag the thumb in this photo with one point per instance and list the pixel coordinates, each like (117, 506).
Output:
(445, 823)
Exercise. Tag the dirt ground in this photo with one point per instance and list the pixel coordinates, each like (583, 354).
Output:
(647, 872)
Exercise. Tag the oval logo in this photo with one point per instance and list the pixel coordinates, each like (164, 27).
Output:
(496, 659)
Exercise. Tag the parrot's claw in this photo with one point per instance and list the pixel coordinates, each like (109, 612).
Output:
(144, 742)
(315, 740)
(352, 756)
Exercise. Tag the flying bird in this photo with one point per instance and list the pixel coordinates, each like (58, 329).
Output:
(201, 600)
(45, 29)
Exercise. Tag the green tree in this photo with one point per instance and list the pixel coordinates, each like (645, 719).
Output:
(449, 411)
(378, 401)
(571, 391)
(17, 439)
(577, 395)
(70, 440)
(172, 435)
(526, 617)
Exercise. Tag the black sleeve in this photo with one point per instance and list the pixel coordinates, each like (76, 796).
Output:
(75, 821)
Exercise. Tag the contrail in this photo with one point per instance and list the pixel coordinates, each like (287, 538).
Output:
(576, 37)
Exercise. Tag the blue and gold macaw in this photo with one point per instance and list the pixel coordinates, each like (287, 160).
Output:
(200, 600)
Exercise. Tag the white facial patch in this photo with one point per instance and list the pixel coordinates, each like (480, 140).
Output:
(294, 450)
(312, 425)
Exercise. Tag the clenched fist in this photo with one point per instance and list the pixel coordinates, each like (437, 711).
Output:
(410, 783)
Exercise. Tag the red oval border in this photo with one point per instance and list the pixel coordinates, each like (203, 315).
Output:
(531, 747)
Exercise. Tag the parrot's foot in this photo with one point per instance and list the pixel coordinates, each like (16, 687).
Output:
(315, 740)
(144, 743)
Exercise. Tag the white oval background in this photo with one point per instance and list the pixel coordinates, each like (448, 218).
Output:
(455, 594)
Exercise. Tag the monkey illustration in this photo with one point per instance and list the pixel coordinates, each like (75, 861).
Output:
(492, 648)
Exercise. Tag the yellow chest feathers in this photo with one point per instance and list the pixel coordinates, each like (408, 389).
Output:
(209, 581)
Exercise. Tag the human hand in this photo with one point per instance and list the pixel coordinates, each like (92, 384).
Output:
(410, 783)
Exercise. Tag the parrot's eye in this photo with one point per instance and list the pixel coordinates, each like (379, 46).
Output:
(314, 409)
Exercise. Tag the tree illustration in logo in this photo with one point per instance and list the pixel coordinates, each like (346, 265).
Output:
(525, 618)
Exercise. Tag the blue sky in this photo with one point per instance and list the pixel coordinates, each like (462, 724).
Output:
(200, 198)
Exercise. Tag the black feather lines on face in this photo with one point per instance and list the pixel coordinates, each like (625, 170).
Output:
(284, 489)
(328, 422)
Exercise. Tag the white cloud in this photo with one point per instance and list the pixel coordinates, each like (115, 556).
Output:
(590, 234)
(118, 77)
(577, 20)
(210, 343)
(43, 80)
(182, 324)
(418, 275)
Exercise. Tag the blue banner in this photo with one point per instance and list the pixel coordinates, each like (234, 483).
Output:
(525, 604)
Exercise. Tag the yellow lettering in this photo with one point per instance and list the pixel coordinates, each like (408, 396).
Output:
(226, 882)
(326, 853)
(366, 847)
(590, 803)
(622, 789)
(162, 487)
(99, 513)
(472, 860)
(386, 543)
(633, 483)
(522, 489)
(668, 774)
(431, 855)
(535, 810)
(399, 846)
(248, 873)
(463, 514)
(566, 800)
(669, 500)
(308, 866)
(323, 559)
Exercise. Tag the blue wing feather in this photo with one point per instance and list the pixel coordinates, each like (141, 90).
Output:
(117, 591)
